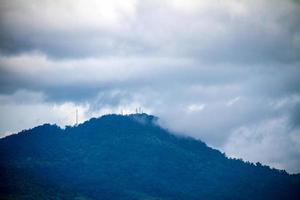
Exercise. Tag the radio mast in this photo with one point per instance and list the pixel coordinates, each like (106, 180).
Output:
(76, 117)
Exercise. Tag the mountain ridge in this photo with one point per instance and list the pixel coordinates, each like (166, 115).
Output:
(129, 157)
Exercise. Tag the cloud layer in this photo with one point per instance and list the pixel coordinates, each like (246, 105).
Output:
(226, 72)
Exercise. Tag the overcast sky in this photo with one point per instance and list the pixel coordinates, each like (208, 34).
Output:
(224, 71)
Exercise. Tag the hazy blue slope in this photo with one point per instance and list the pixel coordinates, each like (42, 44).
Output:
(129, 157)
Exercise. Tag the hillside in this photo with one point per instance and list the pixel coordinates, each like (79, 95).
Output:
(129, 157)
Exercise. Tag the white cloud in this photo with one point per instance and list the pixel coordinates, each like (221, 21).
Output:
(214, 31)
(195, 107)
(233, 101)
(67, 15)
(270, 142)
(25, 109)
(39, 68)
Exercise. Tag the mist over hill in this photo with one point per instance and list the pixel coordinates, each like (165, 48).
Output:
(129, 157)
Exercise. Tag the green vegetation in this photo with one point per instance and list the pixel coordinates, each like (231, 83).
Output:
(129, 157)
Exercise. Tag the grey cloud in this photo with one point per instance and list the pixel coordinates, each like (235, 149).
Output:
(295, 116)
(273, 138)
(225, 32)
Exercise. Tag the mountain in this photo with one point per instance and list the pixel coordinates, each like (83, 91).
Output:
(129, 157)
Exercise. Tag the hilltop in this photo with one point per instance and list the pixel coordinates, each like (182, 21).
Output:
(129, 157)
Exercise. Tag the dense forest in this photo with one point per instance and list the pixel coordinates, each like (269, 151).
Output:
(129, 157)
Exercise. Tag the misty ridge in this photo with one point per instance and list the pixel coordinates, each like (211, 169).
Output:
(129, 157)
(218, 81)
(228, 69)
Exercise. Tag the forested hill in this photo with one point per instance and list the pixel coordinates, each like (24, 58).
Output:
(129, 157)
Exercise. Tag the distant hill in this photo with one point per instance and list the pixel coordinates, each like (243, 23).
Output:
(130, 158)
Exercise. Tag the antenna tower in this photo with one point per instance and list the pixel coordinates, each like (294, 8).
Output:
(76, 117)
